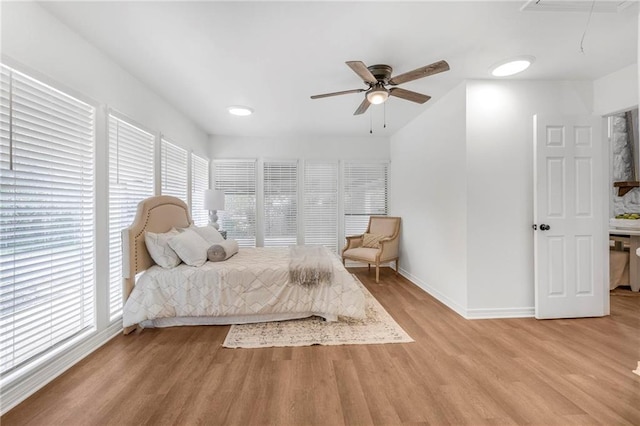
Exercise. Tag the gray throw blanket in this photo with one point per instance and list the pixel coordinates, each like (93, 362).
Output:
(310, 265)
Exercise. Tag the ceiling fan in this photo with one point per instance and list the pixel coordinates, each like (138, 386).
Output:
(378, 77)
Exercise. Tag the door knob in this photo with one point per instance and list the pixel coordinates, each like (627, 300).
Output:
(544, 227)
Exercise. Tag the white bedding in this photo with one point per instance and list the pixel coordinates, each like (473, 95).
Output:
(254, 282)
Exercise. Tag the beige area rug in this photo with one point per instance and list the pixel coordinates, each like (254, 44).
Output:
(377, 327)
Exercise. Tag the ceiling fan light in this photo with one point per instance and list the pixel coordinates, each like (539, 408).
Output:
(377, 96)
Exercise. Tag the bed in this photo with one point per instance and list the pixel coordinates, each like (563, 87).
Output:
(254, 285)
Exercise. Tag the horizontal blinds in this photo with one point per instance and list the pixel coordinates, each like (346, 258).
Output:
(238, 181)
(131, 168)
(199, 183)
(173, 170)
(365, 194)
(280, 182)
(321, 204)
(46, 220)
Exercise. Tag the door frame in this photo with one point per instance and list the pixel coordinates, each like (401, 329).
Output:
(606, 207)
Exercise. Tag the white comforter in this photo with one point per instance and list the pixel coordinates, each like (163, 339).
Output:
(253, 282)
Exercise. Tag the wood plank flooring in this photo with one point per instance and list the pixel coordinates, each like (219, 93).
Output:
(514, 371)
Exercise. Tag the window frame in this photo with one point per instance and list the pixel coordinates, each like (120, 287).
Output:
(36, 361)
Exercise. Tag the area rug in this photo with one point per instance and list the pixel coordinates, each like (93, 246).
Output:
(377, 327)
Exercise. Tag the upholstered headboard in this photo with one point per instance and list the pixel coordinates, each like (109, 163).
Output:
(155, 214)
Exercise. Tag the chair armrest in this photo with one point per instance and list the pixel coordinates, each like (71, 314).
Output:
(353, 241)
(389, 248)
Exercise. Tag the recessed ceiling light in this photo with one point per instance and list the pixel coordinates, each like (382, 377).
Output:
(239, 110)
(511, 66)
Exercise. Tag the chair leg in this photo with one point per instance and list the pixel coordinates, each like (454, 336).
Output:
(377, 274)
(369, 265)
(397, 266)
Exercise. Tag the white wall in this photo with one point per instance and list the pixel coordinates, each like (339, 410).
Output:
(34, 39)
(463, 184)
(305, 147)
(500, 188)
(428, 190)
(616, 92)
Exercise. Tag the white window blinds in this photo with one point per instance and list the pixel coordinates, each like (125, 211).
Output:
(199, 183)
(173, 170)
(321, 204)
(237, 178)
(131, 167)
(365, 194)
(46, 233)
(280, 203)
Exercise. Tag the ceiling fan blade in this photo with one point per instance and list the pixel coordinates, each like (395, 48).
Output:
(408, 95)
(344, 92)
(363, 107)
(361, 69)
(425, 71)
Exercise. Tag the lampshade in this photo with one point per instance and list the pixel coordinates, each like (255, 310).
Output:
(213, 199)
(378, 95)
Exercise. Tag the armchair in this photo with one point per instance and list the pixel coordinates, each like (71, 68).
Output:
(379, 244)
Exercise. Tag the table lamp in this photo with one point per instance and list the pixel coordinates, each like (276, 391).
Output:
(213, 201)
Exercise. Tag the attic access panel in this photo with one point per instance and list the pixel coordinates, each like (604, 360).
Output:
(575, 6)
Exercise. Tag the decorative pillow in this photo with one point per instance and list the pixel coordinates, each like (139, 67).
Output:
(159, 249)
(208, 233)
(222, 250)
(190, 247)
(372, 240)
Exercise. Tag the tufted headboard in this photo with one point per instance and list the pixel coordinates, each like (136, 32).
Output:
(155, 214)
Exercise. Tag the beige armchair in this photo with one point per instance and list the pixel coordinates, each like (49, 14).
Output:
(379, 244)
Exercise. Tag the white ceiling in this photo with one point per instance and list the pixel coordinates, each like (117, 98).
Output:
(271, 56)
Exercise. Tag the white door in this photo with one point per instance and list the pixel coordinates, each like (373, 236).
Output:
(569, 242)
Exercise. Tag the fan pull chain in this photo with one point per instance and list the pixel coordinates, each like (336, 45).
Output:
(370, 123)
(385, 115)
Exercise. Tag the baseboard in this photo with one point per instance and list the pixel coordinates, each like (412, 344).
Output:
(488, 313)
(14, 393)
(454, 306)
(481, 313)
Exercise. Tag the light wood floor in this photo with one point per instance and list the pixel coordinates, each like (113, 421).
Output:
(516, 371)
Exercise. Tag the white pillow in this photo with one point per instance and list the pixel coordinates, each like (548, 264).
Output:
(190, 247)
(209, 233)
(159, 249)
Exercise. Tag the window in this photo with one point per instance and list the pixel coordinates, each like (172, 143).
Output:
(199, 182)
(321, 204)
(365, 194)
(280, 203)
(173, 170)
(131, 167)
(47, 230)
(237, 178)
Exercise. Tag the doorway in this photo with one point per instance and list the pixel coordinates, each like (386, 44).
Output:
(624, 203)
